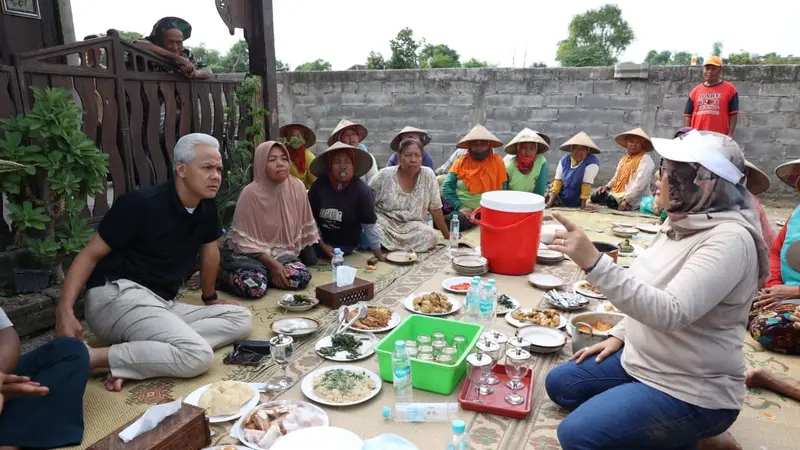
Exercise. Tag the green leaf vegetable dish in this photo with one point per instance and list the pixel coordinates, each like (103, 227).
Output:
(342, 343)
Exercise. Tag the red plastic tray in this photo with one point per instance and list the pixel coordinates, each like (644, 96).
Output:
(495, 403)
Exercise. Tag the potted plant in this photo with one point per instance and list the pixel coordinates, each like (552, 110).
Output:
(61, 167)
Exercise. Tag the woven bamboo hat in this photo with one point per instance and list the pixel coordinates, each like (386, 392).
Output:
(308, 134)
(580, 139)
(479, 133)
(789, 173)
(345, 124)
(622, 138)
(527, 135)
(395, 144)
(757, 180)
(363, 161)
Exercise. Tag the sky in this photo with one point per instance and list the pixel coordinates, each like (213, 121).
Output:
(507, 33)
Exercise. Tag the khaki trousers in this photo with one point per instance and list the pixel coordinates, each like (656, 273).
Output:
(152, 337)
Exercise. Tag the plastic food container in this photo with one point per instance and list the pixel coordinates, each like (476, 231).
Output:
(429, 375)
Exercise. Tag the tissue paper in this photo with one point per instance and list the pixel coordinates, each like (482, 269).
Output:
(345, 276)
(150, 419)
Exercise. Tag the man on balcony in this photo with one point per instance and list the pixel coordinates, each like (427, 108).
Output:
(166, 40)
(133, 267)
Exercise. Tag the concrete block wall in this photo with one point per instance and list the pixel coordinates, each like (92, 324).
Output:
(557, 101)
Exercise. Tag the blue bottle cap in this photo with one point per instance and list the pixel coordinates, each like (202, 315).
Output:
(458, 426)
(455, 216)
(337, 251)
(400, 345)
(386, 411)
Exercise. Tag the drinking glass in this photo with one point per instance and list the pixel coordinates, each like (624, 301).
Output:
(519, 342)
(480, 364)
(282, 349)
(491, 349)
(516, 368)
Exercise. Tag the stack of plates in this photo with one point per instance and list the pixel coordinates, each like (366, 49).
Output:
(543, 339)
(549, 257)
(470, 265)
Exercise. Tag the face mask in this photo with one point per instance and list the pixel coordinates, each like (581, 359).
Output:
(480, 156)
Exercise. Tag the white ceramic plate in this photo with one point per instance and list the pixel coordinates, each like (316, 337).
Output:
(307, 386)
(501, 310)
(543, 338)
(602, 308)
(401, 257)
(586, 292)
(238, 433)
(393, 322)
(227, 447)
(545, 281)
(549, 255)
(366, 350)
(648, 228)
(542, 246)
(296, 308)
(409, 304)
(470, 261)
(300, 326)
(625, 232)
(194, 398)
(562, 322)
(329, 438)
(622, 225)
(446, 284)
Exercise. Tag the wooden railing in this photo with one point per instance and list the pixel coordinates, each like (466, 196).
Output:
(134, 107)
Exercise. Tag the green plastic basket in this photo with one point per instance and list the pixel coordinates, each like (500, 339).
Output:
(427, 375)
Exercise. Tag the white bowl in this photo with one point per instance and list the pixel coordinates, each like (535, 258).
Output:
(548, 232)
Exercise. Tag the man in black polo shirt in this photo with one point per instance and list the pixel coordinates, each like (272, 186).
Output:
(135, 264)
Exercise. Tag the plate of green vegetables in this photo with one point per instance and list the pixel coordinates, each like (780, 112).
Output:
(345, 347)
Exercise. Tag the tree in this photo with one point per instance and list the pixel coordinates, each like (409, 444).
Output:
(236, 60)
(130, 35)
(596, 38)
(538, 65)
(209, 56)
(404, 50)
(667, 58)
(746, 58)
(438, 56)
(716, 49)
(281, 66)
(476, 64)
(375, 61)
(319, 64)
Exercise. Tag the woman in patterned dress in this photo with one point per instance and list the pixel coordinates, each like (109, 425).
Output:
(772, 321)
(403, 196)
(273, 232)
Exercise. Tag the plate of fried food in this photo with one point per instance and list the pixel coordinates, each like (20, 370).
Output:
(224, 400)
(432, 304)
(544, 317)
(379, 319)
(265, 424)
(607, 307)
(587, 289)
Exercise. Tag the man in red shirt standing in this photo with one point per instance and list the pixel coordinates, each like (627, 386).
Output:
(714, 104)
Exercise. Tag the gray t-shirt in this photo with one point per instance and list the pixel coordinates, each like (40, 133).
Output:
(5, 322)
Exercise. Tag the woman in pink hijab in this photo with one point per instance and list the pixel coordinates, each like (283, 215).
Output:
(273, 232)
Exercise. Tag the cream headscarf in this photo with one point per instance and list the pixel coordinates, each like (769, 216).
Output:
(272, 218)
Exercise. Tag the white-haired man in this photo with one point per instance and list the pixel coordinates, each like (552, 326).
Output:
(133, 267)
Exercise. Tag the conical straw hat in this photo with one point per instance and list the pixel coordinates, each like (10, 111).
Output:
(757, 180)
(363, 161)
(789, 173)
(395, 144)
(308, 134)
(580, 139)
(479, 133)
(648, 144)
(343, 124)
(527, 135)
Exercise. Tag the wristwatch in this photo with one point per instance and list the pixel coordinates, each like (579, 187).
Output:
(210, 298)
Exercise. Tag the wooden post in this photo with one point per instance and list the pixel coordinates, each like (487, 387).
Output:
(260, 36)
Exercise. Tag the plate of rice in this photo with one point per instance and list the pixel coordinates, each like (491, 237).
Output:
(341, 385)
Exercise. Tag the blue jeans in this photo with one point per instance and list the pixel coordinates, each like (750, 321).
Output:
(611, 410)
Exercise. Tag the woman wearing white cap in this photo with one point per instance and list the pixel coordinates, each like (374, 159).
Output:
(672, 372)
(634, 173)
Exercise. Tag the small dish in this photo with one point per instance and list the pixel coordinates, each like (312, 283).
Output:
(194, 400)
(502, 309)
(366, 349)
(450, 283)
(286, 302)
(622, 225)
(402, 257)
(648, 228)
(545, 281)
(625, 232)
(295, 326)
(409, 304)
(307, 386)
(578, 286)
(562, 320)
(470, 261)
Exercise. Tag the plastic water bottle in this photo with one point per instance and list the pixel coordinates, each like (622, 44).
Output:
(401, 374)
(459, 439)
(473, 300)
(487, 303)
(336, 261)
(455, 227)
(422, 412)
